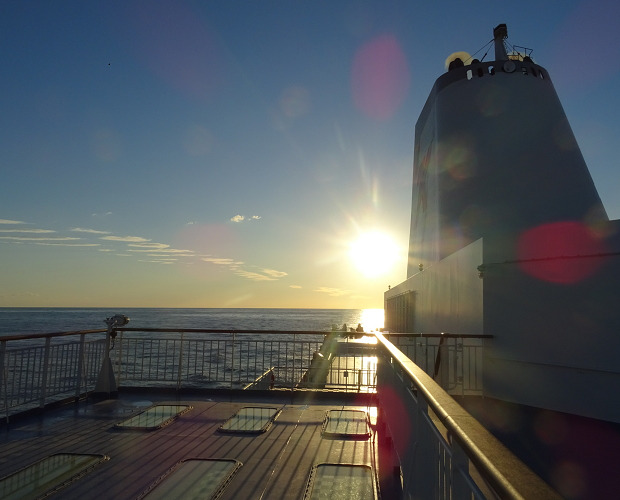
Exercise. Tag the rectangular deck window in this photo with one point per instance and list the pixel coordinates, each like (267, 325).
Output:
(154, 418)
(250, 420)
(48, 475)
(194, 478)
(341, 482)
(351, 424)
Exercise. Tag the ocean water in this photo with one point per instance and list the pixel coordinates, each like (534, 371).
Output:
(14, 321)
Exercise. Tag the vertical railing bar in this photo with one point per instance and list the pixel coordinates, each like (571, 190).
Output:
(3, 378)
(232, 359)
(217, 365)
(256, 359)
(180, 371)
(46, 357)
(119, 358)
(80, 366)
(264, 345)
(286, 359)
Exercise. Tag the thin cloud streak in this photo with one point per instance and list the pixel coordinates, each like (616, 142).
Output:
(34, 231)
(126, 239)
(27, 239)
(86, 230)
(68, 244)
(254, 276)
(8, 221)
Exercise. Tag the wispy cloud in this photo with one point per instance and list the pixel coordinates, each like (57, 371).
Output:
(275, 274)
(8, 221)
(151, 246)
(37, 239)
(167, 251)
(263, 275)
(35, 231)
(333, 292)
(294, 286)
(127, 239)
(104, 214)
(254, 276)
(222, 261)
(86, 230)
(68, 244)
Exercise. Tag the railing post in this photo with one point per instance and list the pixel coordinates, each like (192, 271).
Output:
(46, 361)
(232, 360)
(425, 461)
(460, 487)
(119, 360)
(180, 371)
(3, 378)
(80, 367)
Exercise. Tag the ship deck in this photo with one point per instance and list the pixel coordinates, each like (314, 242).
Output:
(275, 464)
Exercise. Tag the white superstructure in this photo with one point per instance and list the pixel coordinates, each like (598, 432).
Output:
(509, 238)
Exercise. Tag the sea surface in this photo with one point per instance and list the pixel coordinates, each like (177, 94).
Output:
(16, 321)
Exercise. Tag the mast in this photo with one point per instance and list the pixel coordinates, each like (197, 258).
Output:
(500, 33)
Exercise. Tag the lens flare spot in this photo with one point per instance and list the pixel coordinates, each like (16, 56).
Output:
(295, 101)
(380, 77)
(556, 252)
(569, 479)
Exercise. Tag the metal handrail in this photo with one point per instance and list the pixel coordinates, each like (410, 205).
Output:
(229, 330)
(30, 336)
(437, 335)
(503, 471)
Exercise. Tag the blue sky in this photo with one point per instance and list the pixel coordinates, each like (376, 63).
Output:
(226, 154)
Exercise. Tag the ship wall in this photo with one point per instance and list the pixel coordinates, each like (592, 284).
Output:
(455, 280)
(555, 345)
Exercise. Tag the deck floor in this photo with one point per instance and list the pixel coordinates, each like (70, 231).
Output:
(276, 464)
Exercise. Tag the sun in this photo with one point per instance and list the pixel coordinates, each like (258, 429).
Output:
(374, 254)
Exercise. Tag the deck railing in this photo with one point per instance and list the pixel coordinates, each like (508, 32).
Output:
(38, 369)
(211, 359)
(42, 368)
(441, 450)
(454, 361)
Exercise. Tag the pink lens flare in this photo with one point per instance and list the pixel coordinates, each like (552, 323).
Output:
(380, 77)
(560, 252)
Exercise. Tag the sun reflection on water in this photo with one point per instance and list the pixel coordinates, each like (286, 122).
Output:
(372, 319)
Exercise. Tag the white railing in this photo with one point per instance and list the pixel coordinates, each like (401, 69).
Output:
(211, 359)
(39, 369)
(454, 361)
(36, 370)
(442, 452)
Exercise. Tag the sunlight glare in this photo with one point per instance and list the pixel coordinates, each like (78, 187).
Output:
(374, 254)
(372, 320)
